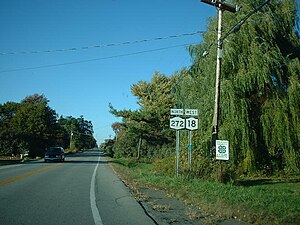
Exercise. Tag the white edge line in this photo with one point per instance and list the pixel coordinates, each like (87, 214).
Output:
(95, 211)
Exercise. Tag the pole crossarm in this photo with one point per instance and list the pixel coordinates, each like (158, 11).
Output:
(221, 5)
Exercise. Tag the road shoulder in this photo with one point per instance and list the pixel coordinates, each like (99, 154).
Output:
(166, 209)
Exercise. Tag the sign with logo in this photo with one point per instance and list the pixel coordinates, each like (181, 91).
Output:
(222, 150)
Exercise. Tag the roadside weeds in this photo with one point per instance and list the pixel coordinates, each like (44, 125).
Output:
(164, 207)
(260, 202)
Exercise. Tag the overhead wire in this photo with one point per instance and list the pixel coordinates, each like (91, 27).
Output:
(95, 59)
(237, 26)
(100, 46)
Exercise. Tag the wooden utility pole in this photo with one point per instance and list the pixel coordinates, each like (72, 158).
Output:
(71, 135)
(139, 148)
(221, 6)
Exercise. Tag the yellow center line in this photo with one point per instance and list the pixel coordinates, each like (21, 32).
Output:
(13, 179)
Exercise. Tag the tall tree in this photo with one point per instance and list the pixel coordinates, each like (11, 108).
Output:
(81, 131)
(36, 123)
(260, 100)
(32, 125)
(27, 126)
(150, 121)
(9, 141)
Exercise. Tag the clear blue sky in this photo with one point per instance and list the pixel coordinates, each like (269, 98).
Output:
(87, 88)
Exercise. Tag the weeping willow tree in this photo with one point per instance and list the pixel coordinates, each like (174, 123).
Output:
(260, 87)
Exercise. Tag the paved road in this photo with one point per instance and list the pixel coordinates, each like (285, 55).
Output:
(82, 190)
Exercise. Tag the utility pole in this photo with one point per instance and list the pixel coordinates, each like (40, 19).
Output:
(221, 6)
(71, 135)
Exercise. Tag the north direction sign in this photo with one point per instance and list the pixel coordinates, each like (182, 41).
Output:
(177, 112)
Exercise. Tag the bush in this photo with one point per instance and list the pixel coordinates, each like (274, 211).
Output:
(202, 168)
(165, 166)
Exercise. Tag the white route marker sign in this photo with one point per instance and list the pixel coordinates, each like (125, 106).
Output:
(191, 123)
(177, 123)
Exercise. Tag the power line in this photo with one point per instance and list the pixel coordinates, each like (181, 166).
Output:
(91, 60)
(101, 46)
(238, 25)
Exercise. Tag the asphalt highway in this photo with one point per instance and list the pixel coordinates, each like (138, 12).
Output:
(82, 190)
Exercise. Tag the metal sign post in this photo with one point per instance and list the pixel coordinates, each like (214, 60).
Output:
(177, 152)
(178, 123)
(222, 154)
(190, 150)
(191, 124)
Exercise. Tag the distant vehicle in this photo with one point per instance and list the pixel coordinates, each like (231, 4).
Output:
(55, 154)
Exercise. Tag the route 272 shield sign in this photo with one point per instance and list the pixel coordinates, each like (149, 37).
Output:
(222, 150)
(177, 123)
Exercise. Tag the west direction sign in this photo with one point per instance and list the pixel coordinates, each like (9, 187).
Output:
(191, 112)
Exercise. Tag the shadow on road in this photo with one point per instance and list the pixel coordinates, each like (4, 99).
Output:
(86, 157)
(86, 154)
(84, 161)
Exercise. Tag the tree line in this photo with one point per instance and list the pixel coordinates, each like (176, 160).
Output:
(260, 98)
(32, 126)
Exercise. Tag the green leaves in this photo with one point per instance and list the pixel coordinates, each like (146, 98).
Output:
(32, 125)
(150, 121)
(81, 131)
(259, 87)
(260, 92)
(27, 126)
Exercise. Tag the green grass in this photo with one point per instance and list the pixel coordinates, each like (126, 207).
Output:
(8, 162)
(263, 201)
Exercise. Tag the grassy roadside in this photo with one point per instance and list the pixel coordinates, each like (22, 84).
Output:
(4, 161)
(8, 162)
(263, 201)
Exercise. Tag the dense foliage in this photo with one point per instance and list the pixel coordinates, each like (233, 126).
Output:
(144, 131)
(32, 125)
(80, 131)
(260, 98)
(260, 95)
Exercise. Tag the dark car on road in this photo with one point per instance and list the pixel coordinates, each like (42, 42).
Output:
(54, 154)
